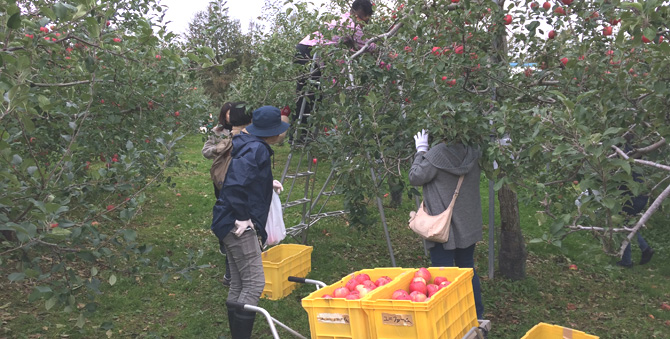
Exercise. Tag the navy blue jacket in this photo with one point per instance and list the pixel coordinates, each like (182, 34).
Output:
(247, 189)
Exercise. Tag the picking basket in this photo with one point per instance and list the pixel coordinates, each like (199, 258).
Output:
(450, 313)
(548, 331)
(340, 318)
(282, 261)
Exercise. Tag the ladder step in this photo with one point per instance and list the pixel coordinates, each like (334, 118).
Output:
(328, 214)
(330, 194)
(300, 174)
(296, 202)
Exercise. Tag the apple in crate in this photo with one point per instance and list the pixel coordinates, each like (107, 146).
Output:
(418, 285)
(362, 290)
(351, 284)
(400, 295)
(423, 273)
(438, 280)
(382, 281)
(353, 296)
(444, 284)
(432, 289)
(327, 296)
(417, 296)
(360, 278)
(341, 292)
(369, 285)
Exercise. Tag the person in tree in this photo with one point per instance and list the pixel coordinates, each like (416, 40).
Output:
(347, 30)
(233, 118)
(438, 171)
(241, 212)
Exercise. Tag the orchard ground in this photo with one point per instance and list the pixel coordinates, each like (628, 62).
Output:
(598, 297)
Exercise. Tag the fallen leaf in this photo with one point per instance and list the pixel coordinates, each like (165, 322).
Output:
(571, 307)
(652, 316)
(171, 294)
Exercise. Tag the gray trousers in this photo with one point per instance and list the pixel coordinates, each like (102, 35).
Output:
(246, 268)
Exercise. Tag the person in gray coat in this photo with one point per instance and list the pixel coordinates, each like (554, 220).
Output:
(437, 170)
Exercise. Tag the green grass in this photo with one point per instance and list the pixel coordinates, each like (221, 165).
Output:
(598, 298)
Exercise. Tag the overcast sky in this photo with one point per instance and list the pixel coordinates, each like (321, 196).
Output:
(180, 12)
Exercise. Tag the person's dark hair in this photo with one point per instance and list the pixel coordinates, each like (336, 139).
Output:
(239, 116)
(365, 6)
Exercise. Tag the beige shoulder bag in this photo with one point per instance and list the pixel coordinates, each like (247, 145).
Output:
(434, 227)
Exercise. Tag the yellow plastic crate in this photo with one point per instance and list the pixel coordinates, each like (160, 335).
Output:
(450, 313)
(548, 331)
(342, 318)
(280, 262)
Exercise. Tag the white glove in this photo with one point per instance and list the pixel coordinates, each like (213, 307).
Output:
(241, 226)
(421, 141)
(277, 186)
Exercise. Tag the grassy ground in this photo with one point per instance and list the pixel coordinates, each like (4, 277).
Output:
(598, 298)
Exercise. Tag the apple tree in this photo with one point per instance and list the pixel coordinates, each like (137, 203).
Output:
(576, 120)
(95, 96)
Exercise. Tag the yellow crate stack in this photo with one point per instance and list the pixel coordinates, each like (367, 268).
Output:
(548, 331)
(280, 262)
(450, 313)
(339, 318)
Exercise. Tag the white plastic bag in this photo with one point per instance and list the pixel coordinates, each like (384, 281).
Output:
(275, 225)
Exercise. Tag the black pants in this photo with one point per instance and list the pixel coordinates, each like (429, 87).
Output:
(303, 56)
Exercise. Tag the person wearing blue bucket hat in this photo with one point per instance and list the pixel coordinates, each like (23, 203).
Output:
(240, 215)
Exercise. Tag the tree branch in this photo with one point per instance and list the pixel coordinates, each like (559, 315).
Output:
(645, 217)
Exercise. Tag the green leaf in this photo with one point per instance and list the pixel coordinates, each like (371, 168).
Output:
(649, 33)
(48, 13)
(129, 235)
(80, 321)
(16, 276)
(535, 241)
(92, 26)
(14, 21)
(112, 280)
(51, 302)
(61, 11)
(81, 11)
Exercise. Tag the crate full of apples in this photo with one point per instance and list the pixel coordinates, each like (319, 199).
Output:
(336, 310)
(422, 287)
(433, 302)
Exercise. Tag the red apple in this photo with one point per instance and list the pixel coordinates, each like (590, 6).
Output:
(546, 6)
(351, 285)
(360, 278)
(417, 296)
(507, 19)
(399, 293)
(415, 38)
(419, 279)
(559, 11)
(566, 2)
(353, 296)
(314, 161)
(645, 39)
(423, 273)
(362, 290)
(382, 280)
(432, 288)
(451, 82)
(607, 31)
(552, 34)
(327, 296)
(564, 61)
(176, 113)
(444, 284)
(437, 51)
(534, 5)
(458, 49)
(341, 292)
(444, 78)
(439, 280)
(455, 1)
(369, 284)
(110, 207)
(528, 72)
(417, 286)
(54, 225)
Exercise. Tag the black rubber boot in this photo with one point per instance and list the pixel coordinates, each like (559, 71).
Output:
(646, 255)
(231, 321)
(244, 324)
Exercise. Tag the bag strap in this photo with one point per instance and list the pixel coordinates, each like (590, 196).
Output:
(458, 187)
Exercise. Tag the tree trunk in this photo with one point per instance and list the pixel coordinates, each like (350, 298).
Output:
(512, 256)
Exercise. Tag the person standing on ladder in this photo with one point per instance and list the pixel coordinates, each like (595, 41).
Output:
(348, 31)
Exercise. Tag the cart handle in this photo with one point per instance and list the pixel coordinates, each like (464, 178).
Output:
(319, 284)
(235, 305)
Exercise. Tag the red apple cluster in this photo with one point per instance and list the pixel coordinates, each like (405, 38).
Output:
(419, 289)
(357, 287)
